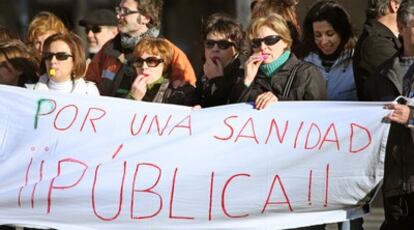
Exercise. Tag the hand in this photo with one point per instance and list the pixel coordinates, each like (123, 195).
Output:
(251, 66)
(139, 87)
(196, 107)
(265, 99)
(213, 69)
(400, 113)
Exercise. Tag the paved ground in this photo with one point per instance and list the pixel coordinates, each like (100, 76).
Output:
(373, 220)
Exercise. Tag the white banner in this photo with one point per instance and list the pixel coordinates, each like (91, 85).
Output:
(78, 162)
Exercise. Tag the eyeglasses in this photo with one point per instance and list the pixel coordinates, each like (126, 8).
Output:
(268, 40)
(123, 11)
(61, 56)
(151, 62)
(94, 29)
(222, 44)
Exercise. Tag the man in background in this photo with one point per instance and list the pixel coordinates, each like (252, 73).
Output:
(111, 67)
(100, 27)
(377, 43)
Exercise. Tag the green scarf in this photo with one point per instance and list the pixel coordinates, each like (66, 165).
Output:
(159, 81)
(152, 89)
(273, 67)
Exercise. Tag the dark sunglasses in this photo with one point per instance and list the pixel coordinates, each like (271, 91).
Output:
(125, 11)
(222, 44)
(151, 62)
(61, 56)
(94, 29)
(268, 40)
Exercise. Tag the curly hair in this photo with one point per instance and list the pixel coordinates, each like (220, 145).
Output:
(225, 25)
(155, 46)
(151, 9)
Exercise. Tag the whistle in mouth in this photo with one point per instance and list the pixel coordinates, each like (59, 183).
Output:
(52, 72)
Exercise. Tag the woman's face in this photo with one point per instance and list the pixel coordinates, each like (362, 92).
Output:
(149, 65)
(41, 39)
(326, 38)
(58, 56)
(8, 74)
(268, 44)
(219, 48)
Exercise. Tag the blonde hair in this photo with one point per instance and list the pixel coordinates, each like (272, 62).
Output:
(42, 23)
(285, 8)
(274, 22)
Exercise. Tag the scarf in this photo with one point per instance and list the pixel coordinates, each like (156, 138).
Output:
(129, 42)
(273, 67)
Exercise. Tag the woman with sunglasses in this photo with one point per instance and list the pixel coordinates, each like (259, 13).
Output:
(152, 84)
(330, 44)
(63, 66)
(287, 9)
(272, 72)
(222, 38)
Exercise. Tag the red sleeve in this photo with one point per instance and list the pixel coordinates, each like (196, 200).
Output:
(181, 68)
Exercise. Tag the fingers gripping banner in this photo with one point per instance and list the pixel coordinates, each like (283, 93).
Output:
(76, 162)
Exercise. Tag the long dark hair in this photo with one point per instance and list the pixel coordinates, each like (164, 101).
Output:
(334, 13)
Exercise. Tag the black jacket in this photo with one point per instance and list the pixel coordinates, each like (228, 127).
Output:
(309, 84)
(376, 45)
(164, 92)
(216, 91)
(386, 85)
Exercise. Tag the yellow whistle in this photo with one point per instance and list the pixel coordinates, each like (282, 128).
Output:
(52, 72)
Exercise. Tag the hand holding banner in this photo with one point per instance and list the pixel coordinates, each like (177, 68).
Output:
(73, 162)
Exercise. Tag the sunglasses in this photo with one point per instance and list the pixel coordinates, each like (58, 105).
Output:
(151, 62)
(61, 56)
(268, 40)
(123, 11)
(222, 44)
(94, 29)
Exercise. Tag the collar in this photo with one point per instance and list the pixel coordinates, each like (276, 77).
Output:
(271, 68)
(129, 42)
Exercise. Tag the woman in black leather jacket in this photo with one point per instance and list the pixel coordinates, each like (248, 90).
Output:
(223, 43)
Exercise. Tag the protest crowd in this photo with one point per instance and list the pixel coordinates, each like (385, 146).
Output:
(274, 59)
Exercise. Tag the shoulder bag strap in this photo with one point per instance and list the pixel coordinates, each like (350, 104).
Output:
(290, 80)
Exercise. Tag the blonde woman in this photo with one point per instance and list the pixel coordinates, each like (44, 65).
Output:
(42, 26)
(273, 72)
